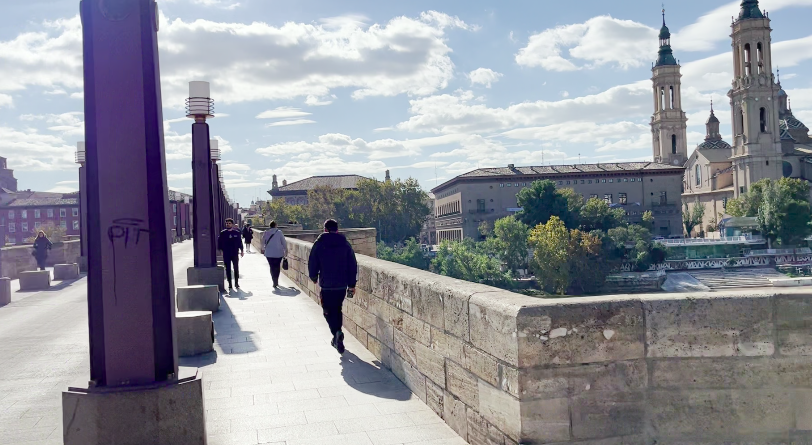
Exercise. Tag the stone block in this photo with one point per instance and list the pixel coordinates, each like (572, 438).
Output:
(606, 414)
(5, 291)
(545, 421)
(427, 299)
(66, 272)
(454, 414)
(509, 379)
(500, 409)
(159, 414)
(555, 383)
(447, 345)
(710, 327)
(195, 333)
(803, 409)
(385, 333)
(707, 413)
(479, 432)
(412, 327)
(456, 313)
(732, 373)
(214, 276)
(430, 364)
(35, 280)
(391, 286)
(410, 376)
(462, 384)
(793, 318)
(198, 298)
(493, 328)
(82, 264)
(435, 397)
(482, 365)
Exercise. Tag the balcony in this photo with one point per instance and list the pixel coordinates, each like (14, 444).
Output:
(660, 203)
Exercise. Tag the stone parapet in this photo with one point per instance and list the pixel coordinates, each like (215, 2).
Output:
(501, 367)
(66, 272)
(363, 241)
(14, 260)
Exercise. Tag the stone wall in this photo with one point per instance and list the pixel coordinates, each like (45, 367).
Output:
(503, 368)
(363, 241)
(14, 260)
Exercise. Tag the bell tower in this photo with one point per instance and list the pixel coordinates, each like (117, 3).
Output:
(669, 123)
(754, 100)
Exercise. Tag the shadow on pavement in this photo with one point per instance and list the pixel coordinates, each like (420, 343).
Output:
(199, 361)
(225, 324)
(237, 293)
(371, 379)
(286, 291)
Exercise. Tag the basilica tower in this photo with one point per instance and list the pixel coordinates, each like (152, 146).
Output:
(669, 123)
(754, 101)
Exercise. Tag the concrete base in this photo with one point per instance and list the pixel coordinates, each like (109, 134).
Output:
(168, 413)
(198, 298)
(5, 291)
(195, 332)
(83, 264)
(212, 276)
(66, 271)
(791, 282)
(35, 280)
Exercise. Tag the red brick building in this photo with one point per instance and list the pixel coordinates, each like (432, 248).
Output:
(26, 212)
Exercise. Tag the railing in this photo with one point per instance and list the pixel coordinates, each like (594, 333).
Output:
(658, 203)
(799, 251)
(750, 239)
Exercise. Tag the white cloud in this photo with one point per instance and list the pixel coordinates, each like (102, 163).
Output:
(229, 5)
(67, 182)
(290, 122)
(484, 76)
(63, 189)
(315, 101)
(6, 101)
(322, 164)
(336, 143)
(179, 176)
(42, 152)
(69, 124)
(283, 113)
(565, 93)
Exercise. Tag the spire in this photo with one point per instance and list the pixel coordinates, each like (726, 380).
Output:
(666, 56)
(750, 10)
(712, 127)
(274, 184)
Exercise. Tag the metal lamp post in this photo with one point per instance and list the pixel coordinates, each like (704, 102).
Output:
(81, 157)
(215, 187)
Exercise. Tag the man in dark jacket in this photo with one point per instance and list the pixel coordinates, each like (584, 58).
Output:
(332, 264)
(248, 236)
(230, 243)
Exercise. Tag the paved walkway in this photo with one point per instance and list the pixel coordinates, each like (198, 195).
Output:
(273, 378)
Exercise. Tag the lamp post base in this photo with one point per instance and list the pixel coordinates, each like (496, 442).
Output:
(163, 413)
(82, 264)
(212, 276)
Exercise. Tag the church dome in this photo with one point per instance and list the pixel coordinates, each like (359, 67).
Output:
(664, 32)
(712, 119)
(782, 93)
(713, 144)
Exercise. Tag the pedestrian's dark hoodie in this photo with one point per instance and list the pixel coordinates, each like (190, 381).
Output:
(230, 242)
(332, 262)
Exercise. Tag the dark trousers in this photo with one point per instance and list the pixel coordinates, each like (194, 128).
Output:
(276, 269)
(41, 262)
(228, 260)
(331, 302)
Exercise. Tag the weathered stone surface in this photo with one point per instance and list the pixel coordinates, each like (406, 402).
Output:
(66, 271)
(454, 414)
(706, 327)
(435, 398)
(195, 333)
(803, 409)
(456, 312)
(720, 412)
(555, 383)
(606, 414)
(35, 280)
(733, 372)
(198, 298)
(391, 287)
(545, 421)
(638, 439)
(596, 330)
(5, 291)
(207, 276)
(480, 432)
(493, 319)
(447, 345)
(430, 364)
(793, 312)
(482, 365)
(462, 384)
(385, 333)
(509, 379)
(427, 299)
(410, 376)
(500, 409)
(412, 327)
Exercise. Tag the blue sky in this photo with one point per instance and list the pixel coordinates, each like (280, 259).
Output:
(425, 89)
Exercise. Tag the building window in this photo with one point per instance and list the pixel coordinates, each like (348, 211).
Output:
(582, 181)
(50, 213)
(621, 198)
(63, 224)
(501, 185)
(759, 58)
(590, 181)
(611, 181)
(509, 184)
(24, 214)
(673, 144)
(603, 181)
(663, 198)
(63, 213)
(12, 240)
(762, 119)
(11, 214)
(174, 223)
(662, 98)
(568, 183)
(747, 59)
(480, 205)
(607, 198)
(12, 227)
(37, 224)
(75, 212)
(24, 227)
(524, 184)
(698, 174)
(517, 184)
(625, 179)
(560, 182)
(175, 207)
(37, 214)
(76, 225)
(593, 196)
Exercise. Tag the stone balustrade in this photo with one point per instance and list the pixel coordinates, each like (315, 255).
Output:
(363, 241)
(500, 367)
(14, 260)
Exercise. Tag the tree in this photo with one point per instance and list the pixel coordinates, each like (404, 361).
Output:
(280, 211)
(510, 242)
(463, 260)
(485, 228)
(541, 201)
(648, 220)
(52, 231)
(633, 244)
(597, 215)
(781, 209)
(410, 255)
(588, 268)
(693, 217)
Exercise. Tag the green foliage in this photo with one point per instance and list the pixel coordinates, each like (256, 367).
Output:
(648, 220)
(781, 208)
(466, 261)
(542, 200)
(567, 260)
(409, 255)
(280, 211)
(692, 217)
(52, 231)
(597, 215)
(510, 242)
(485, 228)
(633, 244)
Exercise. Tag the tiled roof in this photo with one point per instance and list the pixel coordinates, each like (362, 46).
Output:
(43, 202)
(337, 182)
(716, 154)
(713, 144)
(570, 169)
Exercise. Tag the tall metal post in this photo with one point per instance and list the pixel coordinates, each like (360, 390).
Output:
(199, 107)
(81, 159)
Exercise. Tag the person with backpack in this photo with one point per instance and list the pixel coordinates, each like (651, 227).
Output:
(248, 236)
(230, 243)
(333, 266)
(275, 249)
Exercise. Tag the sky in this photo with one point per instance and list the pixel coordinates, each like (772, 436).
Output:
(426, 89)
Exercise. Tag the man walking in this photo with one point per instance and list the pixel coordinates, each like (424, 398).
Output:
(332, 264)
(248, 236)
(230, 243)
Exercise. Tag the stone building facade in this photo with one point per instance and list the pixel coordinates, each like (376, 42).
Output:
(295, 193)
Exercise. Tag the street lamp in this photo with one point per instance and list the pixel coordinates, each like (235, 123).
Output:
(80, 152)
(199, 104)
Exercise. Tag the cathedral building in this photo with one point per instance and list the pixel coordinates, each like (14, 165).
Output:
(768, 141)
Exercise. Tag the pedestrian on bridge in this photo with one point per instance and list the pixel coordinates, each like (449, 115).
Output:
(276, 248)
(332, 265)
(248, 236)
(230, 243)
(41, 247)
